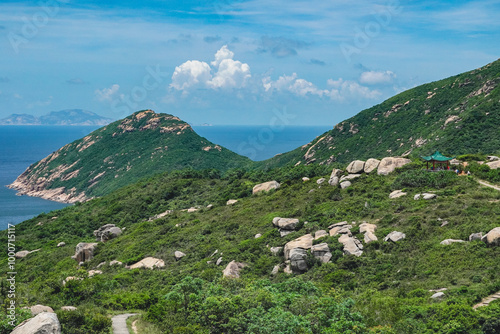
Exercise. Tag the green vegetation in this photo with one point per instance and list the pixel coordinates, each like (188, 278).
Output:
(383, 291)
(458, 115)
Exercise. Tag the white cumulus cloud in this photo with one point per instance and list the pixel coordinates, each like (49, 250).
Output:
(346, 89)
(225, 72)
(107, 94)
(377, 77)
(191, 73)
(292, 84)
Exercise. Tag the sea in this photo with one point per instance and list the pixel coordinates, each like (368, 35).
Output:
(21, 146)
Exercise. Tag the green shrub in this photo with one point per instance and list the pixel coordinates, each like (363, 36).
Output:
(424, 179)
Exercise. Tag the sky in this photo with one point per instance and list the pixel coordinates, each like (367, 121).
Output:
(230, 62)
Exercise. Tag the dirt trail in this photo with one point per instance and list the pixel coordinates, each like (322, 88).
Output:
(120, 323)
(486, 301)
(484, 183)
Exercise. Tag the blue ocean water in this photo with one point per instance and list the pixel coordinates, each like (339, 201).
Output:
(260, 142)
(20, 146)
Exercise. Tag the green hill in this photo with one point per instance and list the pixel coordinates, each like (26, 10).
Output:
(385, 290)
(141, 145)
(457, 115)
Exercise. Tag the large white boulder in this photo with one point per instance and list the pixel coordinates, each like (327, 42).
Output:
(149, 263)
(266, 186)
(395, 236)
(371, 165)
(355, 167)
(233, 269)
(43, 323)
(389, 164)
(84, 251)
(492, 237)
(304, 242)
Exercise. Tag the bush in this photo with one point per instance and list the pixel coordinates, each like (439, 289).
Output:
(424, 179)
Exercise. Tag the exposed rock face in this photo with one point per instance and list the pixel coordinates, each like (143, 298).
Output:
(61, 244)
(389, 164)
(397, 194)
(68, 308)
(179, 255)
(494, 164)
(107, 232)
(450, 241)
(84, 251)
(335, 177)
(369, 232)
(276, 270)
(298, 260)
(266, 186)
(371, 165)
(395, 236)
(285, 223)
(349, 177)
(345, 184)
(43, 323)
(437, 295)
(426, 196)
(149, 263)
(94, 272)
(321, 252)
(492, 237)
(341, 229)
(37, 309)
(231, 201)
(320, 234)
(355, 167)
(233, 269)
(321, 180)
(352, 246)
(475, 236)
(304, 242)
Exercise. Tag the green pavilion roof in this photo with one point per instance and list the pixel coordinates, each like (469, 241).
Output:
(437, 156)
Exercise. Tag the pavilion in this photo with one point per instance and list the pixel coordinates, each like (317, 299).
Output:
(437, 159)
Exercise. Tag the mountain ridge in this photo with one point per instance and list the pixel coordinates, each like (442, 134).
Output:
(455, 115)
(138, 146)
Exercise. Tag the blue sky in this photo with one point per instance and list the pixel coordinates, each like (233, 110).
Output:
(234, 62)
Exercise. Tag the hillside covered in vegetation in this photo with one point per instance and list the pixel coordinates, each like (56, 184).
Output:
(121, 153)
(457, 115)
(386, 289)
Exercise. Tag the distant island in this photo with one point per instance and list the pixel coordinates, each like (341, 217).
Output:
(64, 117)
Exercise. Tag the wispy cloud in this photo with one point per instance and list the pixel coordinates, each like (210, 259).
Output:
(280, 47)
(107, 94)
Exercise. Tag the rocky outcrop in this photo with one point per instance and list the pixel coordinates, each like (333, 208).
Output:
(397, 194)
(438, 295)
(71, 278)
(355, 167)
(369, 232)
(231, 202)
(304, 242)
(285, 225)
(179, 255)
(349, 177)
(68, 308)
(266, 186)
(345, 184)
(24, 253)
(492, 238)
(340, 228)
(320, 234)
(395, 236)
(43, 323)
(389, 164)
(476, 236)
(352, 246)
(450, 241)
(321, 252)
(335, 177)
(160, 215)
(148, 263)
(370, 165)
(275, 250)
(94, 272)
(37, 309)
(233, 269)
(494, 164)
(298, 260)
(107, 232)
(84, 251)
(426, 196)
(320, 180)
(61, 244)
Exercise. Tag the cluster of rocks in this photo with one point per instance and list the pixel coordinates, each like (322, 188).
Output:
(357, 167)
(295, 252)
(107, 232)
(492, 238)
